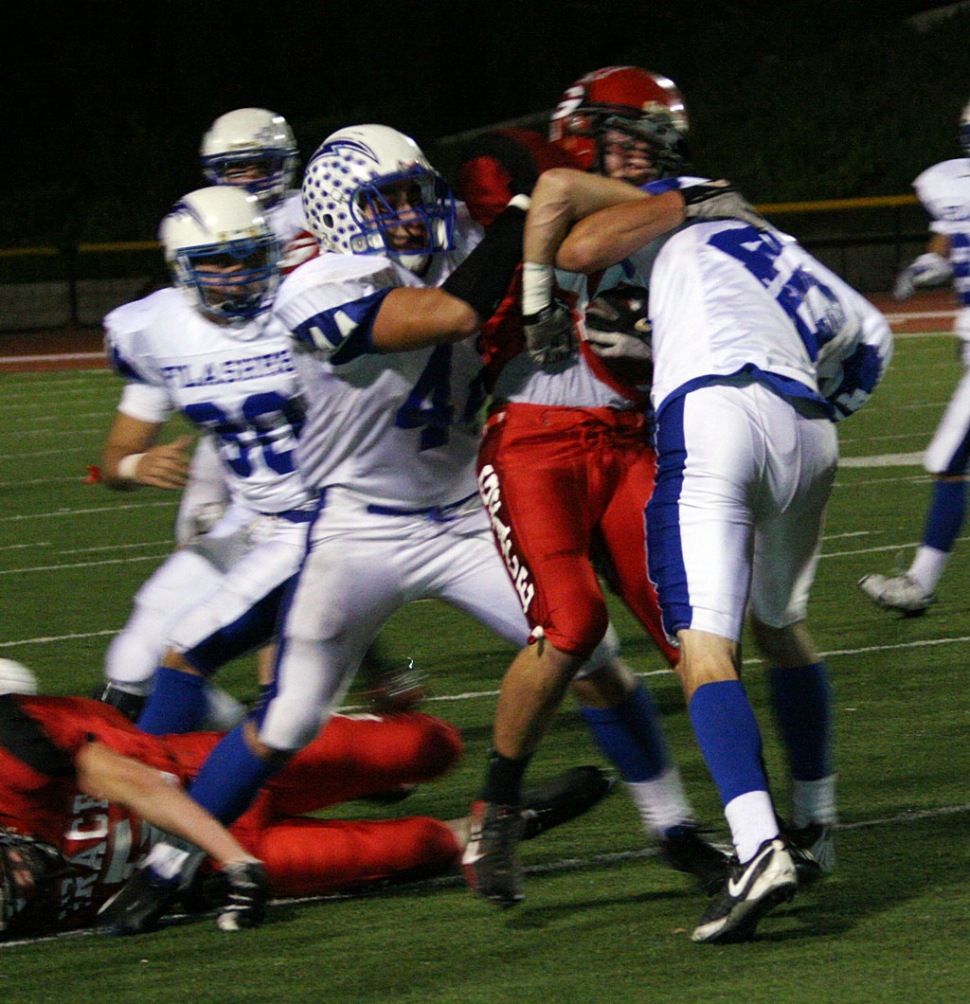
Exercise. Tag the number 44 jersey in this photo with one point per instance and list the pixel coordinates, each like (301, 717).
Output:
(399, 428)
(238, 383)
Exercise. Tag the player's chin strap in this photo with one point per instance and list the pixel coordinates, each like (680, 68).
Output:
(25, 864)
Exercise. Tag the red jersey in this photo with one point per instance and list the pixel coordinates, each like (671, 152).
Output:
(101, 842)
(499, 165)
(39, 738)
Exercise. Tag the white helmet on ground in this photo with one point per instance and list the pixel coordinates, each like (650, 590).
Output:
(252, 148)
(16, 678)
(221, 249)
(346, 198)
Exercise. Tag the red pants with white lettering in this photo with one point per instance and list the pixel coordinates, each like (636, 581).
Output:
(353, 756)
(566, 487)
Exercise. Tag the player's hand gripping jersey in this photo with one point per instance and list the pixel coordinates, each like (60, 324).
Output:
(236, 382)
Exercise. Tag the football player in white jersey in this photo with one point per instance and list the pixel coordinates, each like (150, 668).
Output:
(756, 348)
(254, 149)
(389, 444)
(210, 348)
(944, 191)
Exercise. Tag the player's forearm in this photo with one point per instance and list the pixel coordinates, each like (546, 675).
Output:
(614, 233)
(104, 774)
(563, 196)
(411, 318)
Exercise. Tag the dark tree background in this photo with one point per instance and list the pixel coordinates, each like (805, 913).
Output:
(103, 102)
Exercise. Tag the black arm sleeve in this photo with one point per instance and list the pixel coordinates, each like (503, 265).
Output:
(483, 278)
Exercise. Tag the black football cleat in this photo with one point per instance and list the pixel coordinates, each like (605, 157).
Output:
(684, 849)
(247, 893)
(138, 905)
(564, 798)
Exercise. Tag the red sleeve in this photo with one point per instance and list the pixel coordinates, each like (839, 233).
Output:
(302, 248)
(501, 164)
(70, 723)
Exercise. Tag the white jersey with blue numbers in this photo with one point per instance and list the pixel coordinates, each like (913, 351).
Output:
(237, 383)
(402, 427)
(944, 191)
(729, 300)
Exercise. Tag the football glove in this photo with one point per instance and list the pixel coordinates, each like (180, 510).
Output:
(617, 326)
(720, 200)
(550, 335)
(930, 269)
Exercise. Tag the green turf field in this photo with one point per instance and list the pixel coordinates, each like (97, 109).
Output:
(603, 921)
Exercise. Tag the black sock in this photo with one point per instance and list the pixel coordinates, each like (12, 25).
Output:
(503, 782)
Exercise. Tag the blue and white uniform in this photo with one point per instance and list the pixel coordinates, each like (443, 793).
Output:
(218, 596)
(206, 494)
(944, 191)
(756, 347)
(389, 447)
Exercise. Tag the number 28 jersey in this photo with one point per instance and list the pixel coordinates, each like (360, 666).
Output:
(238, 383)
(399, 427)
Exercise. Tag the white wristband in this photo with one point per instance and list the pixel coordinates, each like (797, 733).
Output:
(128, 465)
(536, 287)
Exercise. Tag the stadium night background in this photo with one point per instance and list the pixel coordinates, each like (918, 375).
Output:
(103, 102)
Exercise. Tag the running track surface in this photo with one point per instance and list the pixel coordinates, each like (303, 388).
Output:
(81, 348)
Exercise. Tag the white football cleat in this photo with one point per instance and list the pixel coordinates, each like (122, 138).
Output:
(896, 592)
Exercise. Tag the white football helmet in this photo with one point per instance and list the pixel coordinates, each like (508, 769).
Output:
(221, 250)
(252, 148)
(348, 205)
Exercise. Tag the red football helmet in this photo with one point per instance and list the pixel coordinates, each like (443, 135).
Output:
(645, 106)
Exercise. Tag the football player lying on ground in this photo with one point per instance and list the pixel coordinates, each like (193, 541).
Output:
(84, 793)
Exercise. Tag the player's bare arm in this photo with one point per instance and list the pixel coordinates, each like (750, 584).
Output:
(561, 197)
(104, 774)
(411, 318)
(611, 234)
(131, 457)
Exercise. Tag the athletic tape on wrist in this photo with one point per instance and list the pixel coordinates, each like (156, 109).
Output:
(128, 465)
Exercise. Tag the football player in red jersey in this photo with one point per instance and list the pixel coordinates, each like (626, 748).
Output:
(565, 470)
(84, 794)
(620, 121)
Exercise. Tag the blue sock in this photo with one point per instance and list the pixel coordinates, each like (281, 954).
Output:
(728, 736)
(231, 777)
(629, 734)
(177, 704)
(802, 702)
(945, 516)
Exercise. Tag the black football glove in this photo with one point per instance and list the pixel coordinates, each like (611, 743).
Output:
(720, 200)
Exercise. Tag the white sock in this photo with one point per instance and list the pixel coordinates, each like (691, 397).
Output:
(928, 566)
(751, 817)
(814, 802)
(661, 802)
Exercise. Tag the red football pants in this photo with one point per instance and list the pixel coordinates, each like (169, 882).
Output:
(562, 485)
(353, 756)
